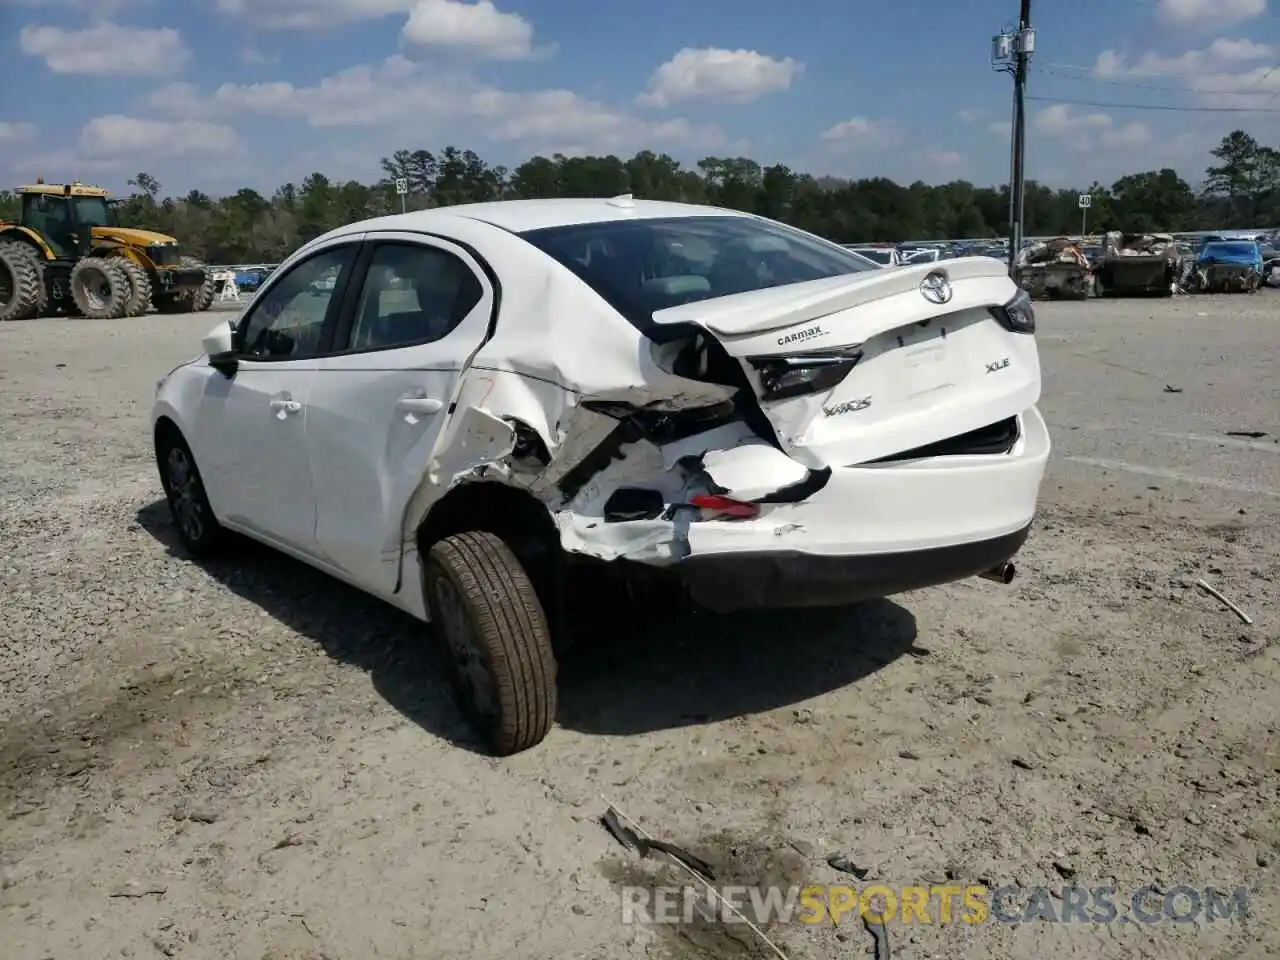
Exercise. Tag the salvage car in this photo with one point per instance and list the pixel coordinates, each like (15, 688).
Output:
(480, 397)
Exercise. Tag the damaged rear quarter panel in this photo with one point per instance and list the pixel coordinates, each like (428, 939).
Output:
(556, 347)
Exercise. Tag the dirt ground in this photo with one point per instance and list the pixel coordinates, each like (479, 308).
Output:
(249, 761)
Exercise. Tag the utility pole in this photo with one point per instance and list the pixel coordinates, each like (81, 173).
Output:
(1011, 53)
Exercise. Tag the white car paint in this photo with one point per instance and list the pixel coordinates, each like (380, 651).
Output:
(337, 459)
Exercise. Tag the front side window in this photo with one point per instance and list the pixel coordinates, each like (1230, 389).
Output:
(288, 322)
(412, 294)
(641, 266)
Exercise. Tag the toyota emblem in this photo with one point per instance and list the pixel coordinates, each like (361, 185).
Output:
(936, 288)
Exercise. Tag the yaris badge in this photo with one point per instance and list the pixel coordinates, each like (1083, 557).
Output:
(936, 288)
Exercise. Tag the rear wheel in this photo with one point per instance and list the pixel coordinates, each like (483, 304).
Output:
(101, 289)
(139, 287)
(21, 282)
(484, 606)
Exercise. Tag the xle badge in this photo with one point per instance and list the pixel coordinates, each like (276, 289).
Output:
(997, 365)
(849, 406)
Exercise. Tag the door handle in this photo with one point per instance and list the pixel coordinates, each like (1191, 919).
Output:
(423, 405)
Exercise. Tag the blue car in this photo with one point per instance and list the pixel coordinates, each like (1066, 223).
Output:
(1228, 266)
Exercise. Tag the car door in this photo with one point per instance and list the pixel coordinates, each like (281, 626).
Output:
(253, 423)
(376, 409)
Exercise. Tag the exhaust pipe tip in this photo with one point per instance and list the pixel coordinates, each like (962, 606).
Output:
(1000, 573)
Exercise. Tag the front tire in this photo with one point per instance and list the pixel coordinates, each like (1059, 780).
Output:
(101, 288)
(139, 289)
(197, 527)
(484, 606)
(202, 296)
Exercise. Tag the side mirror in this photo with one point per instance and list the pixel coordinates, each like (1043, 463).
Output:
(219, 346)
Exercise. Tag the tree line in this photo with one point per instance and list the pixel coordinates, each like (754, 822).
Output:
(1242, 189)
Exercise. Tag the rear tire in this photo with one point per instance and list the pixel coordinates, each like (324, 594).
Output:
(484, 606)
(193, 518)
(100, 288)
(21, 283)
(140, 289)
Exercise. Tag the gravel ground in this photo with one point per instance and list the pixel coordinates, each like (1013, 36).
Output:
(249, 761)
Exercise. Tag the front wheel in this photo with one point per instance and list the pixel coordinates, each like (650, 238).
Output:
(198, 528)
(483, 605)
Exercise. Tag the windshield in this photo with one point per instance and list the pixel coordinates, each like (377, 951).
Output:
(94, 211)
(641, 266)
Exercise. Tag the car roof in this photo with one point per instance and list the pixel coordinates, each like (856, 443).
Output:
(521, 215)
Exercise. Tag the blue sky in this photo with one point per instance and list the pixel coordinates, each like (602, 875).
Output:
(219, 94)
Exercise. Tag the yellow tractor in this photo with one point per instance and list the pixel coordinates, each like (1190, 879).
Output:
(69, 254)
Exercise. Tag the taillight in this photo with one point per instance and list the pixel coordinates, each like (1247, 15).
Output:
(726, 506)
(1018, 315)
(798, 374)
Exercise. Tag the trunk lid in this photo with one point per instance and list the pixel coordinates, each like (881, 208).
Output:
(924, 371)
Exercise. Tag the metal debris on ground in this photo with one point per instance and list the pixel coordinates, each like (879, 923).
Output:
(644, 845)
(838, 861)
(633, 836)
(879, 936)
(1217, 595)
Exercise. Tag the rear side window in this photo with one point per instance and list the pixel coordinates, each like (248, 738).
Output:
(412, 294)
(642, 266)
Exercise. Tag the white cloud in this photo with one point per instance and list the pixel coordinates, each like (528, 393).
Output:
(861, 132)
(119, 136)
(1089, 130)
(1222, 51)
(106, 49)
(732, 76)
(12, 132)
(1000, 128)
(477, 29)
(944, 161)
(1131, 134)
(390, 94)
(1217, 75)
(311, 14)
(970, 116)
(1061, 120)
(1215, 13)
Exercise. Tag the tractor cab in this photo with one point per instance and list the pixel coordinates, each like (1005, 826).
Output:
(65, 215)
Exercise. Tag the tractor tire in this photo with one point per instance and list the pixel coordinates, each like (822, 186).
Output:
(140, 288)
(101, 289)
(202, 298)
(21, 283)
(484, 606)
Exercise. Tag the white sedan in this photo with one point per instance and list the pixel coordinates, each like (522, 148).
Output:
(445, 407)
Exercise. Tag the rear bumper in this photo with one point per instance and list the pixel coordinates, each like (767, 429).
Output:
(872, 530)
(791, 579)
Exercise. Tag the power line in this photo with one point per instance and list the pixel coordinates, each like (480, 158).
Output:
(1130, 84)
(1185, 74)
(1170, 108)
